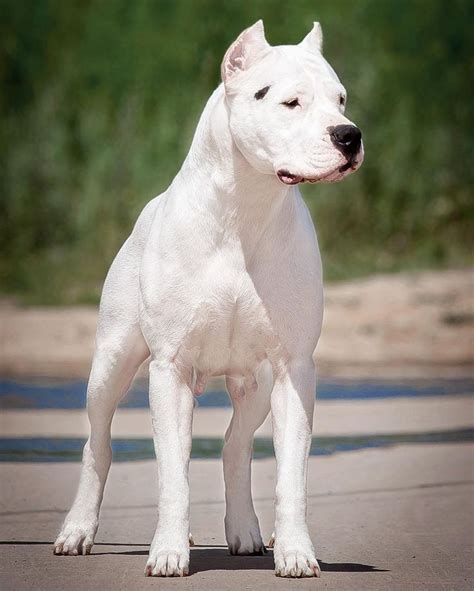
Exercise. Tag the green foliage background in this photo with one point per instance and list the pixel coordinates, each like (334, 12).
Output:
(100, 99)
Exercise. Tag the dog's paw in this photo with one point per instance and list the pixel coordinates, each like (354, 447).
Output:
(243, 535)
(169, 554)
(76, 537)
(167, 564)
(297, 564)
(295, 558)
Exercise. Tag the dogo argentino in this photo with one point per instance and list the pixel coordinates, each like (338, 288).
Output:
(221, 276)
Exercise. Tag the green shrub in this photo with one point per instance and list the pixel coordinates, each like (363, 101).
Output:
(100, 100)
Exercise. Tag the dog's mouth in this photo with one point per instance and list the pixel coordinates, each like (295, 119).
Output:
(289, 178)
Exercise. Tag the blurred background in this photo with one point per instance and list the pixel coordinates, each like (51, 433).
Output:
(99, 102)
(100, 99)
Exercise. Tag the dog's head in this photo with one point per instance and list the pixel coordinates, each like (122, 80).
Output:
(286, 107)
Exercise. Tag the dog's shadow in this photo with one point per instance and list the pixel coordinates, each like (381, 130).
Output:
(214, 557)
(204, 558)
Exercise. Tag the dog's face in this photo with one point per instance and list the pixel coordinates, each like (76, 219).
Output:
(286, 107)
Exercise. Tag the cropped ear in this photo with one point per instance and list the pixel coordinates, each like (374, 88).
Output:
(314, 39)
(245, 51)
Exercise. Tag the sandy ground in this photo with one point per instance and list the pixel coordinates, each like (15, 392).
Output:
(391, 519)
(399, 325)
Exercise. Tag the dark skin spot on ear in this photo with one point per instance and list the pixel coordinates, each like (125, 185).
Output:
(261, 93)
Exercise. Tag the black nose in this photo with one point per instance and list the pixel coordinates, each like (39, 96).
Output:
(346, 138)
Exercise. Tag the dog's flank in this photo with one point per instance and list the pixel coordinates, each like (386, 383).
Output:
(205, 285)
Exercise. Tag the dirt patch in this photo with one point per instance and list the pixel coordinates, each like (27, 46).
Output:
(407, 325)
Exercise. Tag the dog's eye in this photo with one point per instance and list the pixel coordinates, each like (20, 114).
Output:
(291, 104)
(261, 93)
(342, 100)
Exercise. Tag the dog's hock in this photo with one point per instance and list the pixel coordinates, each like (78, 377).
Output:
(249, 46)
(314, 39)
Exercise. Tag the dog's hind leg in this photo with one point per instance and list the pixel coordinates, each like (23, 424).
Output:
(251, 404)
(120, 349)
(113, 369)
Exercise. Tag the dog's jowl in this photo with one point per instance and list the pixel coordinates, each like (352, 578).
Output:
(221, 276)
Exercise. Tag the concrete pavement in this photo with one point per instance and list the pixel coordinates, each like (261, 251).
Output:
(400, 415)
(399, 518)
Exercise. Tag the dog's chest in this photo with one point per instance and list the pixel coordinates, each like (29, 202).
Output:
(232, 332)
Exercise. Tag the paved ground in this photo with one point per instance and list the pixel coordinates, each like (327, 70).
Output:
(400, 415)
(397, 518)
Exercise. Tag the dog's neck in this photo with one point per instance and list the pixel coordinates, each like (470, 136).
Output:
(217, 177)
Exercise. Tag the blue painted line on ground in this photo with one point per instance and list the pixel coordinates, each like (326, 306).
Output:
(72, 395)
(50, 449)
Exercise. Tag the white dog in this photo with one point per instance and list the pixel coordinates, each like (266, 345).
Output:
(222, 276)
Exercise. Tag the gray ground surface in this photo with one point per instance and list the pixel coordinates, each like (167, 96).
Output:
(332, 417)
(396, 518)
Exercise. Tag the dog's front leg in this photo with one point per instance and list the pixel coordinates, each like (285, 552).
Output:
(292, 405)
(171, 403)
